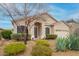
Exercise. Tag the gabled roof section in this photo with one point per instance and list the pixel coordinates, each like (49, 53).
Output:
(35, 17)
(70, 23)
(63, 23)
(49, 16)
(66, 24)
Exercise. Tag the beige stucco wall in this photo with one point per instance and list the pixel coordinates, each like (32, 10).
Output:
(61, 29)
(46, 20)
(31, 27)
(18, 23)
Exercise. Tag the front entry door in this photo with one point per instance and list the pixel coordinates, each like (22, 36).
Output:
(35, 32)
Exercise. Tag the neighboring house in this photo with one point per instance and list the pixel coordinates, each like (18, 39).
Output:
(45, 24)
(73, 26)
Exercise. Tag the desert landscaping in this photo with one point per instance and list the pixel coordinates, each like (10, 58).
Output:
(34, 30)
(30, 44)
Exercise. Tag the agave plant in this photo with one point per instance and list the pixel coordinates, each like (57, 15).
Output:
(61, 44)
(73, 42)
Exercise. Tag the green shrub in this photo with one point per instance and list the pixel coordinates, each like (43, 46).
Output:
(73, 42)
(6, 34)
(48, 36)
(41, 50)
(14, 48)
(42, 42)
(19, 36)
(0, 36)
(61, 44)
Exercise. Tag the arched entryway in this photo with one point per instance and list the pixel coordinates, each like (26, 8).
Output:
(37, 30)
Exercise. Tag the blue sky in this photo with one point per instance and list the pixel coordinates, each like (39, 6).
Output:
(65, 11)
(60, 11)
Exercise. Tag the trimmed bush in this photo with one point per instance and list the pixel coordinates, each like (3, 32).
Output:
(41, 50)
(14, 48)
(42, 42)
(6, 34)
(61, 44)
(48, 36)
(19, 36)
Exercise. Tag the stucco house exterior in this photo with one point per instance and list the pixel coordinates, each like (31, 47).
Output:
(45, 24)
(61, 29)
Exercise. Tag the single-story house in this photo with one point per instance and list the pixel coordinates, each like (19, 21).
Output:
(42, 25)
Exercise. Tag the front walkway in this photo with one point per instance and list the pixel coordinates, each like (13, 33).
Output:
(29, 45)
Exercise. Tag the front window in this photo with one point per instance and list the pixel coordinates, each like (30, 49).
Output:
(47, 30)
(20, 29)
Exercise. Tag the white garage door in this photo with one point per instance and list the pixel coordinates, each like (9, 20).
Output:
(61, 33)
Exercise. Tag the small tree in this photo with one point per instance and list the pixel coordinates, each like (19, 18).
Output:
(14, 11)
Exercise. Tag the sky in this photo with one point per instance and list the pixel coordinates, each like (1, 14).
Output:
(60, 11)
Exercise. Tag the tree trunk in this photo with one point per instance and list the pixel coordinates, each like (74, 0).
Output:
(26, 35)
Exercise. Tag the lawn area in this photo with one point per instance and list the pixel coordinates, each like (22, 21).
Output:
(30, 44)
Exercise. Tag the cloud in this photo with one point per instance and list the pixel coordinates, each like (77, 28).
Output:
(57, 12)
(65, 14)
(73, 14)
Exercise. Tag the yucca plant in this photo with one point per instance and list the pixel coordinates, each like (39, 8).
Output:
(61, 44)
(73, 42)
